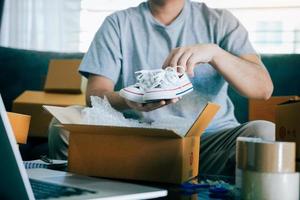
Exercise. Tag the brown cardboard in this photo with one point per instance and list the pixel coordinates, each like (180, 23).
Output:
(63, 77)
(20, 125)
(133, 153)
(288, 123)
(30, 103)
(265, 110)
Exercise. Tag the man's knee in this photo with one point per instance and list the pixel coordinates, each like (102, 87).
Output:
(58, 140)
(261, 129)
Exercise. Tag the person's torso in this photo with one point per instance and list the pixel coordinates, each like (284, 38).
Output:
(145, 44)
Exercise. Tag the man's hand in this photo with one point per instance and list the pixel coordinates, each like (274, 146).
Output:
(102, 86)
(146, 107)
(190, 56)
(238, 71)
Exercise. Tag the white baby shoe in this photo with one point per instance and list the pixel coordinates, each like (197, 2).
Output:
(158, 84)
(170, 84)
(145, 79)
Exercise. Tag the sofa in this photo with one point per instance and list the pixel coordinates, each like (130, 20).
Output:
(22, 70)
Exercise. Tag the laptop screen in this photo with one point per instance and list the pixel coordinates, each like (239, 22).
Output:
(14, 182)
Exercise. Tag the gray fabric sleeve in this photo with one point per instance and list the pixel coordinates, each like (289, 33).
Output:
(104, 55)
(234, 37)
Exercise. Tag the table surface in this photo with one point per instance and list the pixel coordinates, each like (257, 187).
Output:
(177, 192)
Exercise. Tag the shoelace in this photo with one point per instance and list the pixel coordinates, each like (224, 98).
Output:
(145, 78)
(148, 79)
(172, 75)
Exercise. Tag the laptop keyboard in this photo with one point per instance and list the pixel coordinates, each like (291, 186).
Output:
(46, 190)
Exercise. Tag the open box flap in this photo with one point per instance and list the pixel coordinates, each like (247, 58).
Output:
(70, 118)
(66, 115)
(203, 120)
(290, 101)
(120, 130)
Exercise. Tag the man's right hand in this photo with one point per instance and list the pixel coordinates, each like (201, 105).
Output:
(102, 86)
(147, 107)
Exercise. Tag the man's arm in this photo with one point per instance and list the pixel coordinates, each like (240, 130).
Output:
(246, 73)
(102, 86)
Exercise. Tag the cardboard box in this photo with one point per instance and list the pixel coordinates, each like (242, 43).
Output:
(265, 110)
(20, 125)
(63, 77)
(288, 123)
(30, 103)
(133, 153)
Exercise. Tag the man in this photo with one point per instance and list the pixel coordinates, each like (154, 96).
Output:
(210, 44)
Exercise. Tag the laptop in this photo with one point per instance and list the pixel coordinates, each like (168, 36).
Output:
(17, 183)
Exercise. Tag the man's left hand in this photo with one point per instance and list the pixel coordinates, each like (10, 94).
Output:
(190, 56)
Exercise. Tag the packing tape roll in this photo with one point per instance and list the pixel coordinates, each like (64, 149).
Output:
(265, 156)
(238, 178)
(269, 186)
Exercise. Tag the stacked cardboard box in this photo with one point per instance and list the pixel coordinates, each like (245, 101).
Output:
(20, 126)
(288, 124)
(284, 111)
(265, 110)
(63, 77)
(63, 87)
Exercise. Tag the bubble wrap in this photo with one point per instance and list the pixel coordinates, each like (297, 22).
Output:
(102, 113)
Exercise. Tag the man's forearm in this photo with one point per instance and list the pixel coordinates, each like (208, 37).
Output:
(102, 86)
(249, 78)
(113, 97)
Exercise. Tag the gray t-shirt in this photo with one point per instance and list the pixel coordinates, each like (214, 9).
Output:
(132, 39)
